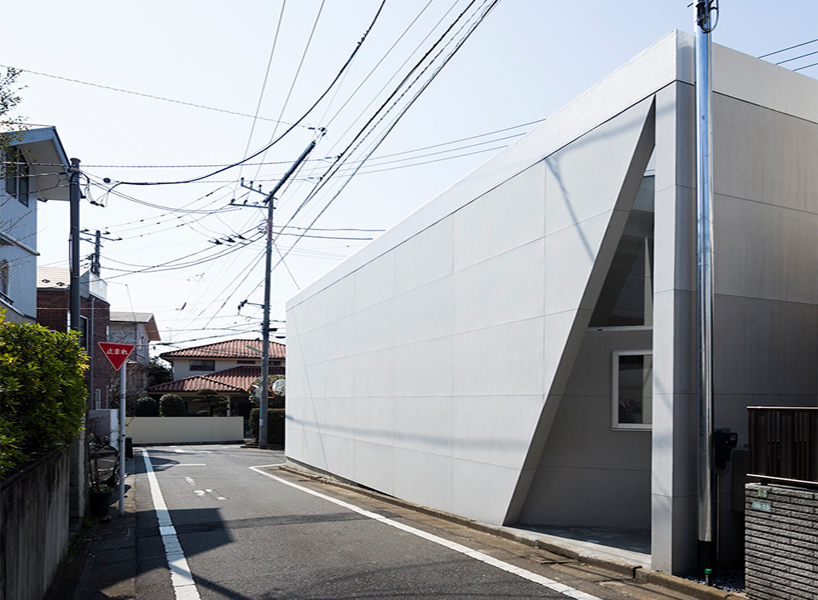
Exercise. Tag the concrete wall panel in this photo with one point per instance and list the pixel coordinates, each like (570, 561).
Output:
(424, 425)
(506, 359)
(425, 257)
(505, 218)
(504, 289)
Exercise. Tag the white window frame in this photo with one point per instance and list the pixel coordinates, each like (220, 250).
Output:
(615, 424)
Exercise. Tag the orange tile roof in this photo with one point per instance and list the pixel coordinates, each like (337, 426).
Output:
(228, 349)
(237, 379)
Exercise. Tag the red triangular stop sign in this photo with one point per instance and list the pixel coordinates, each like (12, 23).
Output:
(116, 354)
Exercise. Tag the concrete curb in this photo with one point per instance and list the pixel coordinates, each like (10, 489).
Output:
(637, 572)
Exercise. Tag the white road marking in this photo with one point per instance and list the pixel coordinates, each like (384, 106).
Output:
(188, 465)
(180, 576)
(215, 494)
(475, 554)
(190, 481)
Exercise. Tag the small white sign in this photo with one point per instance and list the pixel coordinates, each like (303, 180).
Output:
(762, 506)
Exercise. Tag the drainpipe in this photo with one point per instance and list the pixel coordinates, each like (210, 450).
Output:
(705, 293)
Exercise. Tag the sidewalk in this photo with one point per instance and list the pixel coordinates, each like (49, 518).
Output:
(102, 564)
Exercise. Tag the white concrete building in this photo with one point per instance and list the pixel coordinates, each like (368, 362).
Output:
(521, 350)
(34, 168)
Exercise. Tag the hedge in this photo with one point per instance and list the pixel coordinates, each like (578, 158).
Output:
(42, 391)
(146, 407)
(275, 424)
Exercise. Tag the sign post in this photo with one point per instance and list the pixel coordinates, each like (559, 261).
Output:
(117, 355)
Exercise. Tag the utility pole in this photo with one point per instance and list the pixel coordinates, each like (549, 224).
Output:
(265, 324)
(705, 292)
(74, 198)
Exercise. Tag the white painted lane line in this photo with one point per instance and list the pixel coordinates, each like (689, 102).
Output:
(180, 576)
(475, 554)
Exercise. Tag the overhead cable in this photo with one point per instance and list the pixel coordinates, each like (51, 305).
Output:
(287, 131)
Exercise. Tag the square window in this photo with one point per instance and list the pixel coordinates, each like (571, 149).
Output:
(632, 390)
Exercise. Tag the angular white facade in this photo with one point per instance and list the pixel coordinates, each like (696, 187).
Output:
(464, 360)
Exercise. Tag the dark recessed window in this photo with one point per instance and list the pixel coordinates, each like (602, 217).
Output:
(202, 365)
(245, 362)
(16, 175)
(632, 389)
(5, 277)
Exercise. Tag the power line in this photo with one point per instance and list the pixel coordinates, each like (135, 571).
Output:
(459, 44)
(806, 67)
(790, 48)
(365, 130)
(297, 71)
(289, 129)
(142, 94)
(796, 58)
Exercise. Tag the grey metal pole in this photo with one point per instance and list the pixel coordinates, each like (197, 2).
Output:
(265, 324)
(265, 330)
(122, 406)
(74, 198)
(705, 291)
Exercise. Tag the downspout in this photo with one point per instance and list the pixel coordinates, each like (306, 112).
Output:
(706, 500)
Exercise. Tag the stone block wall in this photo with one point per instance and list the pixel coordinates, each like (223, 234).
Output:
(781, 544)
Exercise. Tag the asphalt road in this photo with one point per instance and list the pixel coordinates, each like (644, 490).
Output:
(232, 531)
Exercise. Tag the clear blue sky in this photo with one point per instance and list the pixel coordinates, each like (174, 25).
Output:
(526, 60)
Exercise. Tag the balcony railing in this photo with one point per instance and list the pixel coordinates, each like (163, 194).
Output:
(784, 444)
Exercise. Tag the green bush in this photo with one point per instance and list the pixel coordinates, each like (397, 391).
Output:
(275, 424)
(146, 407)
(172, 405)
(42, 391)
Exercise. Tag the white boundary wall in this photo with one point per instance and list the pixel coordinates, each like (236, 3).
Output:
(185, 430)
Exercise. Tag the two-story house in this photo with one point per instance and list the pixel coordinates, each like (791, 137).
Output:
(35, 167)
(139, 329)
(228, 368)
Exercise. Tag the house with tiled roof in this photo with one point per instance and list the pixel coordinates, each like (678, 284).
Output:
(228, 368)
(137, 328)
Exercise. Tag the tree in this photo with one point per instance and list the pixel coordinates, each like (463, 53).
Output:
(159, 371)
(172, 405)
(215, 404)
(11, 127)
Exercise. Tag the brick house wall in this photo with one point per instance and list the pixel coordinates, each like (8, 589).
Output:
(52, 312)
